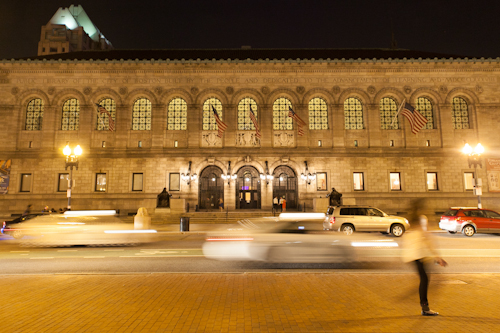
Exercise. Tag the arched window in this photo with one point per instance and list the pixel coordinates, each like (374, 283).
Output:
(209, 123)
(460, 113)
(177, 114)
(353, 113)
(281, 120)
(388, 109)
(141, 115)
(424, 106)
(244, 107)
(70, 115)
(103, 117)
(318, 114)
(34, 115)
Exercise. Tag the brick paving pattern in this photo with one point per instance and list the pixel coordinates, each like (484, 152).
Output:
(252, 302)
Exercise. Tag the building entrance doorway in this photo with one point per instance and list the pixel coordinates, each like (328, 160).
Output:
(211, 188)
(285, 186)
(248, 188)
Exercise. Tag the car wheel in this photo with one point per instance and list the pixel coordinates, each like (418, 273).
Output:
(347, 229)
(17, 234)
(468, 231)
(397, 230)
(452, 232)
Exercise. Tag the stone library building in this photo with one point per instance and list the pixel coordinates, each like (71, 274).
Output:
(298, 122)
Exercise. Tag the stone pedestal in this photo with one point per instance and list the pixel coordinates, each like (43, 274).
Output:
(177, 206)
(142, 220)
(320, 205)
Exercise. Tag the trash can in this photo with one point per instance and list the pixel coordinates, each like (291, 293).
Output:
(184, 223)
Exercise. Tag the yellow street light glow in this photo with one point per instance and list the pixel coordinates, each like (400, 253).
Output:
(467, 149)
(78, 150)
(479, 149)
(67, 150)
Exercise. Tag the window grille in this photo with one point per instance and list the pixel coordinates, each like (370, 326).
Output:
(318, 114)
(209, 123)
(388, 109)
(34, 115)
(71, 115)
(281, 120)
(110, 105)
(424, 106)
(141, 115)
(177, 114)
(244, 121)
(353, 114)
(460, 113)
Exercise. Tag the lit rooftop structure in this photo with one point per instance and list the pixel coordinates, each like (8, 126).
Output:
(71, 30)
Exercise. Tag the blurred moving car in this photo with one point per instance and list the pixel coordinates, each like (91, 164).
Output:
(9, 227)
(78, 228)
(349, 219)
(470, 220)
(299, 242)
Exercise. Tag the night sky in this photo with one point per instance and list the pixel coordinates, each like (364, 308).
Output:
(463, 28)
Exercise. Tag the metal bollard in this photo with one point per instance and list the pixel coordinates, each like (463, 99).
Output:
(184, 224)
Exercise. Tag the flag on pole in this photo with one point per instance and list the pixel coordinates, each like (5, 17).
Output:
(417, 121)
(298, 120)
(254, 121)
(221, 126)
(111, 123)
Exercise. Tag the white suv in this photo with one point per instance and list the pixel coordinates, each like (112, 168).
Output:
(363, 218)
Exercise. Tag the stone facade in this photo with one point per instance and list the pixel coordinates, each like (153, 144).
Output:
(337, 151)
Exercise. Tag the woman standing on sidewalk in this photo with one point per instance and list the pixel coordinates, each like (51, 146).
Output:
(419, 248)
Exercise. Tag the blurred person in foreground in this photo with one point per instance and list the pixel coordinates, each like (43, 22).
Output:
(419, 248)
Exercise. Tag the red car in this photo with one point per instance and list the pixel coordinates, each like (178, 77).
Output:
(470, 220)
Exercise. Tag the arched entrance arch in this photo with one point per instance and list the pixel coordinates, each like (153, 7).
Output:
(211, 187)
(285, 185)
(248, 188)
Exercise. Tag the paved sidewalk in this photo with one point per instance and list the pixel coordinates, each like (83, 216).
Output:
(253, 302)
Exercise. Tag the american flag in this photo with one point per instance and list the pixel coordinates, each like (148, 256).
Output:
(221, 126)
(100, 110)
(417, 121)
(254, 121)
(298, 120)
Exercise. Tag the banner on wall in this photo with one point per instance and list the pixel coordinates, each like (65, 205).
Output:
(4, 176)
(493, 171)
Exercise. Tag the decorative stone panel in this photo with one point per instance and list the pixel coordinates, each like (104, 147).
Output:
(284, 138)
(247, 139)
(210, 139)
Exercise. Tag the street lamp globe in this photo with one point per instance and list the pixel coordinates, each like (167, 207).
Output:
(78, 150)
(467, 149)
(479, 149)
(67, 150)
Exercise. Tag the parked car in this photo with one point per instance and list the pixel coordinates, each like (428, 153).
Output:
(470, 220)
(299, 242)
(9, 227)
(349, 219)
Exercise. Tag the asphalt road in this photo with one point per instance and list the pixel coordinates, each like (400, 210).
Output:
(182, 253)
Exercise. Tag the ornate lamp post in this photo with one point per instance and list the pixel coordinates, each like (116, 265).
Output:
(307, 176)
(473, 158)
(71, 161)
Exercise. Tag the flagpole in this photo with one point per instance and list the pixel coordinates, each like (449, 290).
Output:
(99, 115)
(396, 116)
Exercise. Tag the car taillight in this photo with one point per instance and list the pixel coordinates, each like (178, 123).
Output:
(332, 219)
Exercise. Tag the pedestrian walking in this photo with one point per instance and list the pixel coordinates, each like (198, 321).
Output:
(27, 211)
(280, 202)
(283, 205)
(221, 204)
(419, 249)
(275, 203)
